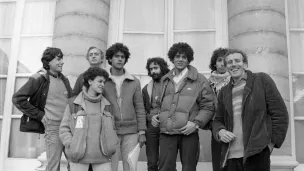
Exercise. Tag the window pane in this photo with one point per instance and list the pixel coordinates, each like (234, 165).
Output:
(7, 13)
(141, 48)
(202, 44)
(24, 145)
(297, 51)
(5, 48)
(145, 15)
(194, 14)
(19, 83)
(30, 53)
(296, 14)
(298, 94)
(299, 127)
(2, 94)
(38, 17)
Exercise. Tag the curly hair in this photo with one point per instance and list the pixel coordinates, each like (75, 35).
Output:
(92, 73)
(181, 47)
(232, 51)
(93, 47)
(117, 47)
(159, 61)
(219, 52)
(49, 54)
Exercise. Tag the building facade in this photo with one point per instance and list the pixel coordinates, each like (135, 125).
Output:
(271, 33)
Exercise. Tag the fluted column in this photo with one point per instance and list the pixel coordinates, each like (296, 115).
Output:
(258, 27)
(80, 24)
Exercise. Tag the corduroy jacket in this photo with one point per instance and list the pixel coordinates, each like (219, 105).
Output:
(264, 115)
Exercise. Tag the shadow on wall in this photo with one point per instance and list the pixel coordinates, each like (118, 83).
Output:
(4, 60)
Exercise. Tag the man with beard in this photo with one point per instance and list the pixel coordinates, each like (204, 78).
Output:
(156, 67)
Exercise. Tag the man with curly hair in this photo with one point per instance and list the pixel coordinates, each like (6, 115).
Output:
(42, 100)
(157, 67)
(187, 105)
(124, 93)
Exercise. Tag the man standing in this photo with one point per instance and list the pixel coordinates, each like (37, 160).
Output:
(251, 117)
(48, 92)
(157, 67)
(95, 57)
(187, 104)
(124, 93)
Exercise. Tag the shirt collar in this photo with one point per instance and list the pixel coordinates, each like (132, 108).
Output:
(243, 78)
(181, 74)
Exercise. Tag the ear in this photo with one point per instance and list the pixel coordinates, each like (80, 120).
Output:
(246, 66)
(90, 82)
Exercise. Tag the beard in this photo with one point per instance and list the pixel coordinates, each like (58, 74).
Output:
(156, 77)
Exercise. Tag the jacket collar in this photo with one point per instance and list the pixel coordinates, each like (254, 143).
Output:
(45, 73)
(192, 73)
(126, 73)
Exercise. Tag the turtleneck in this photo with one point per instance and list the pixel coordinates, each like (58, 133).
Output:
(91, 98)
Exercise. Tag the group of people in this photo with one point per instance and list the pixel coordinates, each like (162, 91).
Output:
(244, 111)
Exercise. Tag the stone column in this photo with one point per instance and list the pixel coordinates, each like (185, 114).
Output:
(258, 27)
(78, 25)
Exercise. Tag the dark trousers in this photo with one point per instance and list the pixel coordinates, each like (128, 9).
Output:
(216, 148)
(258, 162)
(152, 147)
(188, 147)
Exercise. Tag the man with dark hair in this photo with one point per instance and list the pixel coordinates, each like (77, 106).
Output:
(124, 93)
(187, 104)
(48, 92)
(157, 67)
(251, 117)
(95, 57)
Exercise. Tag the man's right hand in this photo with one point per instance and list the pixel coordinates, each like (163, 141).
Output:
(155, 121)
(226, 136)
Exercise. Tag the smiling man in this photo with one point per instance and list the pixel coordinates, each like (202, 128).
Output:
(251, 117)
(187, 105)
(42, 100)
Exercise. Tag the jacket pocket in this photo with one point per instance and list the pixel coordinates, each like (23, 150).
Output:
(108, 138)
(77, 148)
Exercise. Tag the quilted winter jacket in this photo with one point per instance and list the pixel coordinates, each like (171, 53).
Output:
(264, 117)
(30, 99)
(194, 101)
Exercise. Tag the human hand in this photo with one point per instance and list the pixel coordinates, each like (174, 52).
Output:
(141, 140)
(226, 136)
(155, 121)
(189, 128)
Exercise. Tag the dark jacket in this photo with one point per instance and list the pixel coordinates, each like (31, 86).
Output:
(130, 116)
(78, 85)
(30, 99)
(147, 93)
(194, 101)
(264, 116)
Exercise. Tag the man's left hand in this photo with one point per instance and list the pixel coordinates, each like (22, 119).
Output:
(188, 129)
(141, 140)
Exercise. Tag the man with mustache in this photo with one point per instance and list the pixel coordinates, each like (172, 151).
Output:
(123, 91)
(251, 117)
(187, 104)
(42, 100)
(157, 67)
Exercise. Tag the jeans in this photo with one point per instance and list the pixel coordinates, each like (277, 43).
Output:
(95, 166)
(152, 146)
(188, 147)
(53, 145)
(257, 162)
(127, 144)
